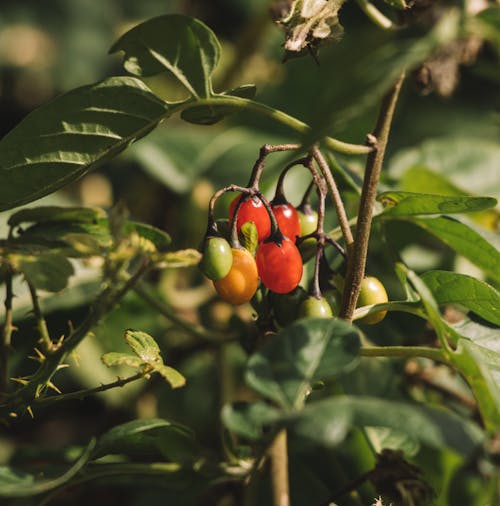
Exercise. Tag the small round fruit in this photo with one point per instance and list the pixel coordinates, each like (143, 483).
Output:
(372, 292)
(288, 219)
(279, 264)
(242, 280)
(308, 219)
(286, 305)
(252, 209)
(312, 307)
(217, 258)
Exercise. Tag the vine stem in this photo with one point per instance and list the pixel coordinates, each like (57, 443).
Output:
(381, 20)
(6, 335)
(356, 261)
(336, 197)
(435, 354)
(276, 115)
(278, 454)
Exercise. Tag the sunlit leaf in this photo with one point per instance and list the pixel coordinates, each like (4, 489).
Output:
(114, 358)
(184, 46)
(398, 203)
(144, 346)
(173, 377)
(178, 259)
(453, 288)
(71, 135)
(299, 355)
(464, 240)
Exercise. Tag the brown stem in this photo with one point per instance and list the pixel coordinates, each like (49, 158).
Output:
(336, 198)
(40, 320)
(357, 258)
(6, 335)
(278, 454)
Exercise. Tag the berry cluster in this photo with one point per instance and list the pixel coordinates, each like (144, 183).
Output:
(276, 237)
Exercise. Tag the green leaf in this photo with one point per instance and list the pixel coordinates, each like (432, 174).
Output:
(71, 135)
(300, 355)
(154, 436)
(19, 484)
(481, 368)
(465, 240)
(328, 421)
(184, 46)
(399, 203)
(458, 158)
(250, 236)
(173, 377)
(114, 358)
(452, 288)
(48, 271)
(159, 238)
(249, 419)
(50, 214)
(178, 259)
(144, 346)
(424, 180)
(209, 115)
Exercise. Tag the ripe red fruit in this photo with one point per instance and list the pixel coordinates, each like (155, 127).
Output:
(252, 209)
(279, 264)
(287, 218)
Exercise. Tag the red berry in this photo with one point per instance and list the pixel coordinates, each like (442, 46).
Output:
(252, 209)
(288, 219)
(279, 264)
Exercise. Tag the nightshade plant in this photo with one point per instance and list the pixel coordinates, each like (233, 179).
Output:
(331, 411)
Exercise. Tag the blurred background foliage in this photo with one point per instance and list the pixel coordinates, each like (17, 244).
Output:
(444, 140)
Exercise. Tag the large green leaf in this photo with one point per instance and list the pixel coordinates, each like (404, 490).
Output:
(328, 421)
(20, 484)
(184, 46)
(62, 140)
(47, 271)
(56, 214)
(465, 240)
(399, 203)
(481, 368)
(452, 288)
(458, 158)
(300, 355)
(149, 437)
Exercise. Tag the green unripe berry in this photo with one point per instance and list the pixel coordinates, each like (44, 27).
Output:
(313, 307)
(372, 292)
(217, 258)
(308, 219)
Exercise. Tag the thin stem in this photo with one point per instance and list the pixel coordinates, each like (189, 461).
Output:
(41, 323)
(104, 304)
(336, 197)
(375, 15)
(196, 330)
(278, 116)
(258, 167)
(435, 354)
(80, 394)
(357, 258)
(6, 335)
(278, 454)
